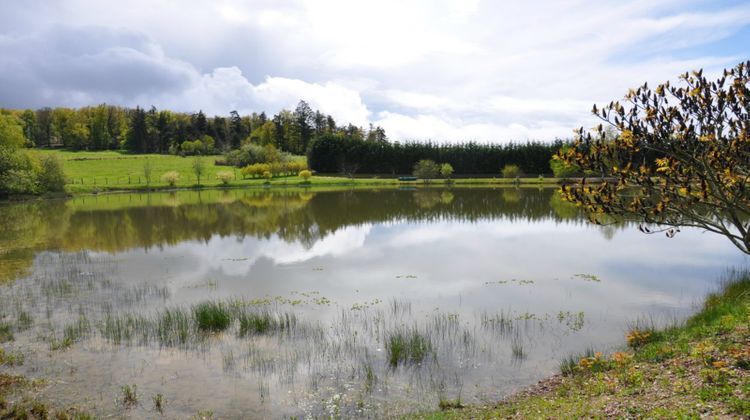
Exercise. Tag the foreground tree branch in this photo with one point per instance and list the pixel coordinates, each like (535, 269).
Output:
(682, 156)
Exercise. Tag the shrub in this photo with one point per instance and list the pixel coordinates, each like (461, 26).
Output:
(255, 170)
(171, 178)
(50, 176)
(225, 177)
(305, 175)
(267, 175)
(511, 171)
(446, 170)
(426, 169)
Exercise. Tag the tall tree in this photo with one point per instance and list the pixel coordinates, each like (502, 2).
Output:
(44, 122)
(30, 126)
(137, 136)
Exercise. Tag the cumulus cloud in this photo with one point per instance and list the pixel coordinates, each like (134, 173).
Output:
(447, 70)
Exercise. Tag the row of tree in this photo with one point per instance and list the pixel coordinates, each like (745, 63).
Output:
(139, 130)
(336, 153)
(330, 148)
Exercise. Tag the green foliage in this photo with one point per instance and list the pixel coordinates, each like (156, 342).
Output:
(51, 177)
(11, 132)
(407, 346)
(338, 152)
(212, 316)
(511, 171)
(305, 175)
(446, 170)
(199, 168)
(426, 169)
(129, 395)
(171, 178)
(561, 168)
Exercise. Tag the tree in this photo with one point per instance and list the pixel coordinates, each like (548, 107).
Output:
(682, 157)
(198, 168)
(11, 132)
(135, 140)
(30, 126)
(511, 171)
(446, 170)
(426, 169)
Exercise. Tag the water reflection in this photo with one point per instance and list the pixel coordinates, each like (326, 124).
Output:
(504, 283)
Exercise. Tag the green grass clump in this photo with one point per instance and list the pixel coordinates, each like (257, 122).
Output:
(406, 346)
(212, 316)
(129, 395)
(264, 322)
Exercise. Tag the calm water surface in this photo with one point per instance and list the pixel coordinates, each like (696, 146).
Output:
(502, 284)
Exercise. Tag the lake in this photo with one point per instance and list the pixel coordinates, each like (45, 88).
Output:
(351, 303)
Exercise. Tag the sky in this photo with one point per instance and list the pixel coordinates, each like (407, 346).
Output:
(443, 70)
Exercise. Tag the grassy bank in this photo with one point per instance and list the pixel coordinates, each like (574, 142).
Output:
(89, 172)
(698, 369)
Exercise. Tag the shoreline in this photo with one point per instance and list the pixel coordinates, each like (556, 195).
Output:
(323, 182)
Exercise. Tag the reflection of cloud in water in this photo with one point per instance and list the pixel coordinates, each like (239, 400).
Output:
(233, 256)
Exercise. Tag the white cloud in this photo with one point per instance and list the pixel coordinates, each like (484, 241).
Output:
(442, 69)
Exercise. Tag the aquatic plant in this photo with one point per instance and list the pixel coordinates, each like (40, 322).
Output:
(407, 346)
(212, 316)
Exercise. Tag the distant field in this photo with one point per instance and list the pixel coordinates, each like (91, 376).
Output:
(111, 170)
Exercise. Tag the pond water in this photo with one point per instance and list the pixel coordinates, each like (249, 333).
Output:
(369, 303)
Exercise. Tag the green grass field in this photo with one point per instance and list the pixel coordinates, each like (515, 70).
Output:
(89, 172)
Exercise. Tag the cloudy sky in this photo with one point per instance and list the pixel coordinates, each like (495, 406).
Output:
(457, 70)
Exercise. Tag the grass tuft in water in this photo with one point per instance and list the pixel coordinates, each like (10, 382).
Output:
(129, 395)
(212, 316)
(264, 322)
(159, 403)
(407, 346)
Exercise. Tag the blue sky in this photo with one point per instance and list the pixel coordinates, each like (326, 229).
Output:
(447, 70)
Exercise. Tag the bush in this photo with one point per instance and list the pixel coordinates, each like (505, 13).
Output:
(225, 177)
(17, 172)
(255, 170)
(511, 171)
(446, 170)
(267, 175)
(248, 154)
(426, 169)
(51, 177)
(305, 175)
(171, 178)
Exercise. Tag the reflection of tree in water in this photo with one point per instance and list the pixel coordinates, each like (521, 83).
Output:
(116, 223)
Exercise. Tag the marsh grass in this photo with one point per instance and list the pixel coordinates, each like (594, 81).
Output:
(407, 346)
(159, 403)
(264, 321)
(212, 316)
(129, 395)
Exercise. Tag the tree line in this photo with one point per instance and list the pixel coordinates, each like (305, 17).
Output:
(331, 153)
(329, 146)
(137, 130)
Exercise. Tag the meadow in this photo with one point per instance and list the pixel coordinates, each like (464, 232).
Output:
(101, 171)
